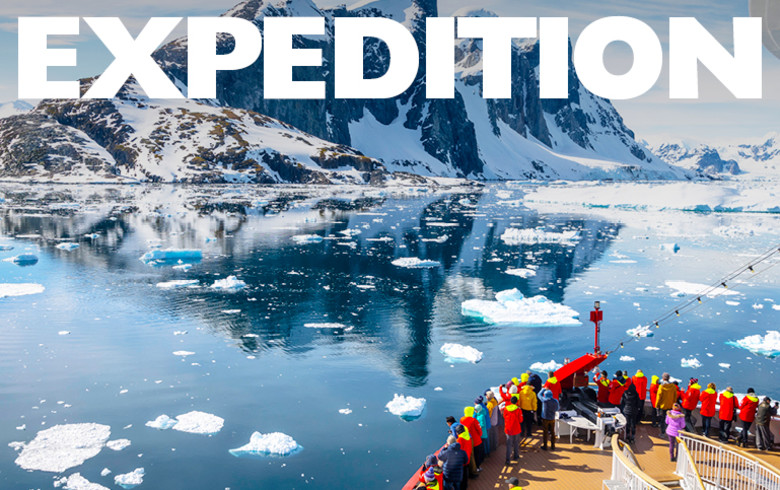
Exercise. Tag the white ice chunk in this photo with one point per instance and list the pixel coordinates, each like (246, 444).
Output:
(524, 273)
(179, 283)
(414, 263)
(640, 331)
(118, 444)
(650, 347)
(545, 367)
(77, 482)
(303, 239)
(67, 246)
(23, 259)
(732, 303)
(130, 480)
(724, 365)
(511, 307)
(627, 358)
(532, 236)
(199, 423)
(230, 283)
(61, 447)
(460, 353)
(163, 422)
(172, 254)
(20, 289)
(438, 239)
(406, 407)
(690, 363)
(764, 345)
(105, 472)
(273, 444)
(325, 325)
(670, 247)
(682, 288)
(182, 267)
(183, 353)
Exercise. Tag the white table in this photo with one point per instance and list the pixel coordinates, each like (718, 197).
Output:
(579, 422)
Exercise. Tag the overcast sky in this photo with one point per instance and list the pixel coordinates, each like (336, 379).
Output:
(717, 116)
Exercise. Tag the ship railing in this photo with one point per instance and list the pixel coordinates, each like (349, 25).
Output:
(686, 468)
(626, 472)
(724, 467)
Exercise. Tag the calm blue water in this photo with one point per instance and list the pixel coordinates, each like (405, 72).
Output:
(293, 379)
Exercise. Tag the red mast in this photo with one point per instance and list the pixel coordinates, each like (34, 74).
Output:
(596, 316)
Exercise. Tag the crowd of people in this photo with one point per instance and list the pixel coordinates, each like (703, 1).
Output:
(522, 403)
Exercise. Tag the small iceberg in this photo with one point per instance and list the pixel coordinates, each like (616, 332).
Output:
(130, 480)
(230, 283)
(20, 289)
(118, 444)
(163, 422)
(328, 326)
(533, 236)
(670, 247)
(183, 353)
(640, 331)
(690, 363)
(77, 482)
(406, 407)
(62, 447)
(545, 367)
(345, 411)
(627, 358)
(273, 444)
(460, 353)
(524, 273)
(724, 365)
(198, 423)
(171, 255)
(650, 347)
(67, 246)
(23, 259)
(511, 307)
(182, 267)
(764, 345)
(303, 239)
(181, 283)
(414, 263)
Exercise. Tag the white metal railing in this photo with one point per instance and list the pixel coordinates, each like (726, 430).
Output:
(724, 467)
(626, 471)
(686, 468)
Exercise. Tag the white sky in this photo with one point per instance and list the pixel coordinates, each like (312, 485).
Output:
(716, 117)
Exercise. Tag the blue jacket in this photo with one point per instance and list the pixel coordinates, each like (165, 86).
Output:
(549, 404)
(454, 459)
(454, 429)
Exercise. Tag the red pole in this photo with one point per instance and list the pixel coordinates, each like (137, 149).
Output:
(596, 316)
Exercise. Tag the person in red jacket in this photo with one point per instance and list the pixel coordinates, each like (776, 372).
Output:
(464, 439)
(654, 384)
(747, 413)
(475, 431)
(602, 382)
(707, 399)
(553, 385)
(728, 405)
(616, 388)
(513, 420)
(690, 400)
(639, 380)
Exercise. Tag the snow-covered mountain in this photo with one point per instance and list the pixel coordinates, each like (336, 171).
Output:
(582, 137)
(757, 159)
(14, 108)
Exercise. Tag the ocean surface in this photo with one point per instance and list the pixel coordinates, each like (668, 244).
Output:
(97, 345)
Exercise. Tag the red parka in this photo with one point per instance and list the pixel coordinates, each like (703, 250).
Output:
(640, 381)
(475, 430)
(553, 385)
(465, 443)
(603, 383)
(691, 397)
(707, 399)
(513, 418)
(616, 389)
(728, 403)
(747, 410)
(654, 390)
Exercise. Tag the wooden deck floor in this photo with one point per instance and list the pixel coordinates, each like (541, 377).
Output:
(580, 466)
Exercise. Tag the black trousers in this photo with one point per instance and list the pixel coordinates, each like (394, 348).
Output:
(528, 422)
(745, 431)
(725, 430)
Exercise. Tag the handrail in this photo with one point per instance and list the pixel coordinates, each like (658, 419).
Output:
(733, 449)
(617, 446)
(691, 463)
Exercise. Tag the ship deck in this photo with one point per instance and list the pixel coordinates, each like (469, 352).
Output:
(580, 465)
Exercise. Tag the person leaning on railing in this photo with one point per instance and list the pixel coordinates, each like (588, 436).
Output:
(727, 413)
(764, 438)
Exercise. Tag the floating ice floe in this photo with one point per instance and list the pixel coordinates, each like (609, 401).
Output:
(683, 288)
(724, 365)
(130, 480)
(118, 444)
(640, 331)
(301, 239)
(20, 289)
(77, 482)
(92, 236)
(63, 332)
(776, 307)
(230, 283)
(182, 267)
(414, 263)
(273, 444)
(105, 472)
(169, 255)
(179, 283)
(650, 347)
(627, 358)
(545, 367)
(61, 447)
(198, 423)
(23, 259)
(764, 345)
(438, 239)
(524, 273)
(163, 422)
(511, 307)
(690, 363)
(183, 353)
(758, 306)
(67, 246)
(345, 411)
(6, 248)
(406, 407)
(670, 247)
(732, 303)
(532, 236)
(460, 353)
(325, 325)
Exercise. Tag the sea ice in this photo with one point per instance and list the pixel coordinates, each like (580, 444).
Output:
(627, 358)
(511, 307)
(199, 423)
(683, 288)
(406, 407)
(20, 289)
(326, 325)
(6, 248)
(724, 365)
(105, 472)
(67, 246)
(118, 444)
(690, 363)
(640, 331)
(414, 263)
(345, 411)
(183, 353)
(130, 480)
(545, 367)
(230, 283)
(179, 283)
(650, 347)
(182, 267)
(670, 247)
(77, 482)
(732, 303)
(764, 345)
(61, 447)
(302, 239)
(460, 353)
(273, 444)
(524, 273)
(532, 236)
(172, 255)
(23, 259)
(163, 422)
